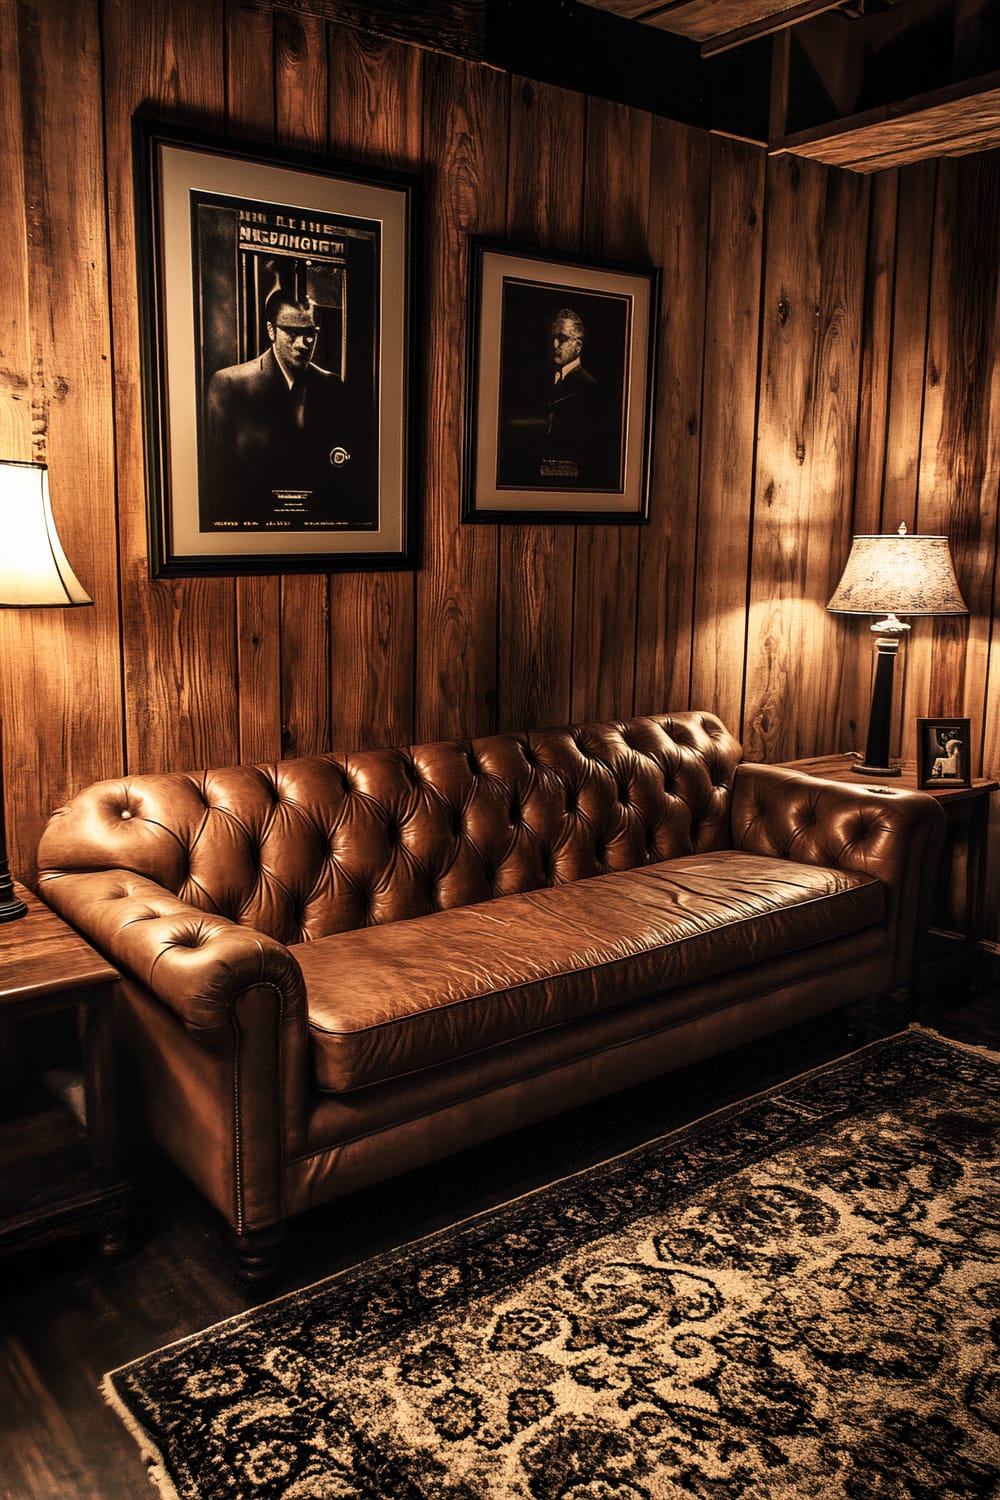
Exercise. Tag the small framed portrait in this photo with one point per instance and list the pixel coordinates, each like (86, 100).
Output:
(559, 387)
(944, 757)
(275, 294)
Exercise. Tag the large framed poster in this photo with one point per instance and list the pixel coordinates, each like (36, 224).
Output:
(276, 297)
(560, 387)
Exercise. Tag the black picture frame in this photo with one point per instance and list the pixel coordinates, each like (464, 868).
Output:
(255, 464)
(944, 753)
(531, 451)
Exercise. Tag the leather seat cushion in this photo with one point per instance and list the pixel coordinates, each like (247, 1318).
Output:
(388, 1001)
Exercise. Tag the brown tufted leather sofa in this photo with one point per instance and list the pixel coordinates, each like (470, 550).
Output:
(339, 967)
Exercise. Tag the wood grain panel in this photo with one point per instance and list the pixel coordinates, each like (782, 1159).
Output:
(536, 560)
(15, 345)
(784, 429)
(300, 89)
(457, 26)
(619, 156)
(805, 456)
(960, 471)
(178, 635)
(876, 355)
(914, 228)
(853, 642)
(702, 20)
(15, 432)
(680, 173)
(914, 235)
(376, 94)
(923, 349)
(465, 134)
(844, 241)
(728, 418)
(58, 736)
(249, 55)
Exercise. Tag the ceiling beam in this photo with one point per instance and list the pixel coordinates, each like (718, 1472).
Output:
(454, 26)
(952, 121)
(767, 26)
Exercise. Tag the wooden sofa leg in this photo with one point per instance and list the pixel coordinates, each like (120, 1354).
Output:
(259, 1256)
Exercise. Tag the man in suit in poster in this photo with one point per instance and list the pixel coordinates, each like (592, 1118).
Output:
(282, 448)
(567, 438)
(575, 425)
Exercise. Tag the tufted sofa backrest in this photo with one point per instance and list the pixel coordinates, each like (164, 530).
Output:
(324, 843)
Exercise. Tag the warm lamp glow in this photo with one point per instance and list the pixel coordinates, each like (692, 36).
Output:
(894, 575)
(34, 573)
(34, 569)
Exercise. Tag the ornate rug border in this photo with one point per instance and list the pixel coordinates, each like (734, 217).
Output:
(918, 1044)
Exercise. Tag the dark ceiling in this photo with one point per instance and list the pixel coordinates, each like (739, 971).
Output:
(920, 76)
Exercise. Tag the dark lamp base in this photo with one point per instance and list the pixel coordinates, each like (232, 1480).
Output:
(11, 905)
(877, 770)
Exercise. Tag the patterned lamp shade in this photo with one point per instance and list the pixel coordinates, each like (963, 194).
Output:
(899, 574)
(34, 569)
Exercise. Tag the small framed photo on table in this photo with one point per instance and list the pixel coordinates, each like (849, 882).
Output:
(944, 753)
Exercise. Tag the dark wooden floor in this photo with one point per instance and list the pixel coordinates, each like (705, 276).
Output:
(66, 1316)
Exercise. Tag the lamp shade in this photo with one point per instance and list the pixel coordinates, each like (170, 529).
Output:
(898, 574)
(34, 569)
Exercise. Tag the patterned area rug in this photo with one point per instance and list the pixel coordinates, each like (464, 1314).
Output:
(797, 1296)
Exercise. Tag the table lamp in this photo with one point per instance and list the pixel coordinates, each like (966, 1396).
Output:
(892, 575)
(34, 574)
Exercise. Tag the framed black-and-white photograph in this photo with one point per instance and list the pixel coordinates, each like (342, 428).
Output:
(944, 757)
(276, 303)
(559, 387)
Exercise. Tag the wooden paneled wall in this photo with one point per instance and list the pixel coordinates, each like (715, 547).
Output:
(829, 361)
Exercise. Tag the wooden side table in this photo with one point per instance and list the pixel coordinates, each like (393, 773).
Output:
(59, 1174)
(967, 809)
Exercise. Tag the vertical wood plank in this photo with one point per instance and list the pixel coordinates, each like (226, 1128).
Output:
(680, 172)
(791, 302)
(960, 460)
(853, 642)
(915, 225)
(907, 386)
(15, 345)
(619, 155)
(249, 58)
(465, 135)
(876, 354)
(63, 718)
(805, 454)
(179, 652)
(728, 418)
(536, 560)
(300, 87)
(375, 117)
(15, 430)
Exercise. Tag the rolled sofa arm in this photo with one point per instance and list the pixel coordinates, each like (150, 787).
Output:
(194, 962)
(214, 1019)
(894, 835)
